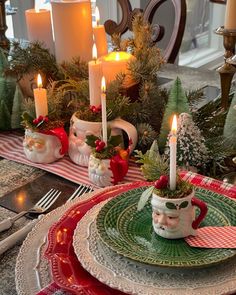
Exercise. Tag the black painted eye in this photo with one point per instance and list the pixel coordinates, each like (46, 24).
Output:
(75, 134)
(172, 217)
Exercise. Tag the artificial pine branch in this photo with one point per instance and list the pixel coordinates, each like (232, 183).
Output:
(230, 124)
(177, 104)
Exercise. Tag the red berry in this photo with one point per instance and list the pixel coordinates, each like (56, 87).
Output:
(40, 118)
(98, 149)
(161, 182)
(102, 144)
(35, 121)
(97, 141)
(91, 108)
(46, 119)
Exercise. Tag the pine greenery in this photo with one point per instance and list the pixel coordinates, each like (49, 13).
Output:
(177, 104)
(153, 165)
(230, 124)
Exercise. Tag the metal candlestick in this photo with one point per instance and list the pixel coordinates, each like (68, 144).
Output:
(227, 70)
(4, 42)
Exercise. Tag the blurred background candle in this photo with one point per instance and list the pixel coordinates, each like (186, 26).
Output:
(230, 15)
(114, 63)
(104, 110)
(72, 22)
(40, 99)
(39, 27)
(173, 149)
(95, 76)
(100, 36)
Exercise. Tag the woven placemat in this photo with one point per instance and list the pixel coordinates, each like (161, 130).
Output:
(14, 175)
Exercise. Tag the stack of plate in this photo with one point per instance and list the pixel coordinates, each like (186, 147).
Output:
(117, 245)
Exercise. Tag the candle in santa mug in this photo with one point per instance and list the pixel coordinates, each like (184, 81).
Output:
(230, 13)
(173, 149)
(104, 110)
(115, 63)
(95, 75)
(100, 35)
(40, 99)
(39, 27)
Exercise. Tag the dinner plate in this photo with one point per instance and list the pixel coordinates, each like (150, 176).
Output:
(130, 233)
(132, 277)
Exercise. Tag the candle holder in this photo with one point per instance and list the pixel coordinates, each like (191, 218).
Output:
(227, 70)
(4, 42)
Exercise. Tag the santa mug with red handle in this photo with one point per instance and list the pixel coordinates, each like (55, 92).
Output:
(176, 218)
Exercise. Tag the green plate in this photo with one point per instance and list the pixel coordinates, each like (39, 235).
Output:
(129, 232)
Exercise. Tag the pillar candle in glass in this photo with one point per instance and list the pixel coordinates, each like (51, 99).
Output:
(115, 63)
(40, 99)
(72, 22)
(95, 76)
(100, 36)
(173, 150)
(104, 110)
(39, 27)
(230, 15)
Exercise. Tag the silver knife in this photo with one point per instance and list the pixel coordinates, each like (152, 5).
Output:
(17, 237)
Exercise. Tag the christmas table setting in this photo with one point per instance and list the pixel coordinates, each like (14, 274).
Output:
(160, 160)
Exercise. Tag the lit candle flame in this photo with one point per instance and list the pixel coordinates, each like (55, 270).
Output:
(117, 56)
(174, 125)
(103, 85)
(97, 16)
(39, 81)
(95, 52)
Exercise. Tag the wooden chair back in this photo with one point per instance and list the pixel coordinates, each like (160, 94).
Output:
(172, 49)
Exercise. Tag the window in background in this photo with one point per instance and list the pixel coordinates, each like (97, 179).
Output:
(201, 47)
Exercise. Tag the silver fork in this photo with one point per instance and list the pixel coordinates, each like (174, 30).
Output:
(40, 207)
(81, 189)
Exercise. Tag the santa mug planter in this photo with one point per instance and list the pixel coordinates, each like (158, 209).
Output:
(79, 150)
(108, 163)
(42, 145)
(173, 212)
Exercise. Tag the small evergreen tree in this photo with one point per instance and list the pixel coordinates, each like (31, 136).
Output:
(191, 149)
(17, 108)
(177, 104)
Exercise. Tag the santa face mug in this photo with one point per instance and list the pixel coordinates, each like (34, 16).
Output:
(79, 151)
(175, 218)
(106, 172)
(45, 147)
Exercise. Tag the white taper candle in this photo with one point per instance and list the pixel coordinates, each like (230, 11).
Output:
(173, 150)
(104, 110)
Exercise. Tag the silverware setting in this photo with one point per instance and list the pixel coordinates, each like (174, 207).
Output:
(40, 207)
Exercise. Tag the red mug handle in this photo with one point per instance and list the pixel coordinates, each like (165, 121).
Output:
(203, 211)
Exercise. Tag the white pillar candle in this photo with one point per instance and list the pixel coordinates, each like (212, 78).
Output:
(39, 27)
(115, 63)
(100, 36)
(104, 110)
(40, 99)
(230, 15)
(173, 149)
(95, 76)
(72, 22)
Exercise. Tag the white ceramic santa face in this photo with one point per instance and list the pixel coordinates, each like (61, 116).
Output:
(173, 218)
(99, 172)
(41, 148)
(79, 151)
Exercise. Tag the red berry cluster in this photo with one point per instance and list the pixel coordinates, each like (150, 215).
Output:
(99, 145)
(162, 182)
(40, 119)
(95, 109)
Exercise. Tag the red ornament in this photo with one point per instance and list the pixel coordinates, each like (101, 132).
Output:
(95, 109)
(162, 182)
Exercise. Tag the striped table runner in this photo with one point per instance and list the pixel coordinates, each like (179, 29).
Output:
(11, 148)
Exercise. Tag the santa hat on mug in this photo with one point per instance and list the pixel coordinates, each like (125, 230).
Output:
(60, 133)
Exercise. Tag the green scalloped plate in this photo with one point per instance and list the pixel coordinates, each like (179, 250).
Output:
(129, 232)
